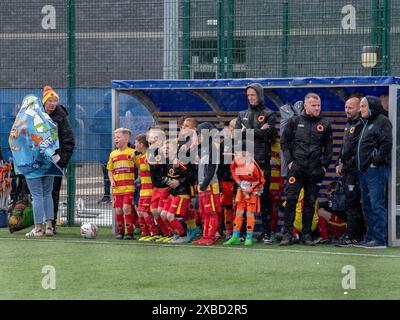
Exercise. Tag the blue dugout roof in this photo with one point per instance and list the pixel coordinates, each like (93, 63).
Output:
(228, 94)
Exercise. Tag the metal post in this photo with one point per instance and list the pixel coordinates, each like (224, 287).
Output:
(171, 39)
(186, 39)
(229, 39)
(71, 105)
(220, 39)
(393, 240)
(115, 124)
(285, 40)
(375, 32)
(386, 37)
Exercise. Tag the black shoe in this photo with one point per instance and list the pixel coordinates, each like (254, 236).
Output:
(286, 240)
(307, 240)
(267, 239)
(53, 223)
(119, 236)
(321, 240)
(346, 242)
(129, 236)
(105, 199)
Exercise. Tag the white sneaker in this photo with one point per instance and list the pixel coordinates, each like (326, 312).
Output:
(174, 238)
(34, 233)
(49, 232)
(184, 239)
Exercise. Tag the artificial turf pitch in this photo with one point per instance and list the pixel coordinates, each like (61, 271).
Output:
(106, 268)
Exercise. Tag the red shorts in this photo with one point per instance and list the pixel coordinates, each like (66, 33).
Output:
(252, 204)
(209, 202)
(177, 205)
(144, 204)
(336, 226)
(121, 199)
(159, 197)
(227, 193)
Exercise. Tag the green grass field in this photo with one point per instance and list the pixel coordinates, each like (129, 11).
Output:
(109, 269)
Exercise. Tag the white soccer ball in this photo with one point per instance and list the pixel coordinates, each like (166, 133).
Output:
(89, 230)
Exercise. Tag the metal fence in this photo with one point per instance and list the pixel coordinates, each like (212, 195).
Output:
(91, 123)
(155, 39)
(86, 44)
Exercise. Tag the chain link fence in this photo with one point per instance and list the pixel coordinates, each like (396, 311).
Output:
(86, 44)
(194, 39)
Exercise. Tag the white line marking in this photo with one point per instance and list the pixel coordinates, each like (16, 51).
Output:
(154, 244)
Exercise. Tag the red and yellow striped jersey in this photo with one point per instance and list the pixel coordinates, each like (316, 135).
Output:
(146, 185)
(122, 166)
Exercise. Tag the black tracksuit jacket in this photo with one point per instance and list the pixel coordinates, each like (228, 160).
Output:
(375, 143)
(254, 118)
(307, 141)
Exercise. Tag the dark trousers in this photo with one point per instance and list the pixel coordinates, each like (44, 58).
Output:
(373, 184)
(106, 180)
(355, 217)
(265, 201)
(311, 189)
(56, 196)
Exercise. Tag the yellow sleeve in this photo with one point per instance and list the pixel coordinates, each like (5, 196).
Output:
(110, 165)
(136, 160)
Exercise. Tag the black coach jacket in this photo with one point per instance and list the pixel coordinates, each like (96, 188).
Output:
(65, 135)
(254, 118)
(375, 143)
(307, 141)
(351, 136)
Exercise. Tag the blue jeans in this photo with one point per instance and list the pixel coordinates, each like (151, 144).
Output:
(42, 202)
(374, 202)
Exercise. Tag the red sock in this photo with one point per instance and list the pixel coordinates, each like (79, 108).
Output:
(212, 225)
(322, 225)
(145, 229)
(274, 218)
(163, 226)
(119, 218)
(129, 223)
(177, 227)
(135, 221)
(220, 216)
(150, 223)
(228, 220)
(206, 225)
(169, 227)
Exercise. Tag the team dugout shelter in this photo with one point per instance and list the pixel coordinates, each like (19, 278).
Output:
(220, 100)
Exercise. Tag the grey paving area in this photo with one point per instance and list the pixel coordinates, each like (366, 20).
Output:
(89, 190)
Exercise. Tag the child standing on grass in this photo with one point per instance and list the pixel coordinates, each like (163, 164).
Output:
(227, 184)
(208, 186)
(158, 171)
(179, 179)
(250, 179)
(121, 172)
(148, 227)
